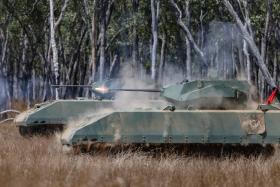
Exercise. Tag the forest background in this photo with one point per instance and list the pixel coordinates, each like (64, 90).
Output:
(165, 41)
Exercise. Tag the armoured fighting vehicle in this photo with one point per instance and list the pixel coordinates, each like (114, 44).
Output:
(200, 112)
(195, 112)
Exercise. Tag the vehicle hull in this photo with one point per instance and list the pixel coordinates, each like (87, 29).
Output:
(47, 118)
(180, 126)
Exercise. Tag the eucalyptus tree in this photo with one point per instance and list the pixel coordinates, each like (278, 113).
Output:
(189, 35)
(53, 25)
(248, 36)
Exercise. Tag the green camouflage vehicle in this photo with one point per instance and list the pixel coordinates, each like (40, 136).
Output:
(196, 112)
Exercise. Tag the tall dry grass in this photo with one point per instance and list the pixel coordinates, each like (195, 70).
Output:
(43, 162)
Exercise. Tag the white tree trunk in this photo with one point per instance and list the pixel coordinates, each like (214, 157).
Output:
(4, 47)
(155, 13)
(135, 46)
(233, 67)
(54, 49)
(53, 25)
(93, 43)
(201, 17)
(102, 48)
(248, 63)
(188, 44)
(188, 59)
(251, 43)
(162, 57)
(189, 35)
(113, 65)
(34, 85)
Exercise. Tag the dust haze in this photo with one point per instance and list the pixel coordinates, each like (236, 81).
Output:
(135, 99)
(82, 120)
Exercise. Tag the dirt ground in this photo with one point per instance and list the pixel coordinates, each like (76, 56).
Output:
(42, 161)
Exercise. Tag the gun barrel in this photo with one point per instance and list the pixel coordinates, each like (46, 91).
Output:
(135, 90)
(103, 89)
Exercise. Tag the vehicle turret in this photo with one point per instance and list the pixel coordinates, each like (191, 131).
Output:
(199, 94)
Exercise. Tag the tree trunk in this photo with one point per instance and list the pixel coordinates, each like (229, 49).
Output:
(162, 57)
(248, 63)
(188, 34)
(4, 47)
(233, 60)
(188, 59)
(34, 85)
(54, 49)
(263, 44)
(201, 17)
(217, 60)
(135, 47)
(155, 14)
(53, 25)
(102, 41)
(93, 43)
(91, 23)
(251, 43)
(15, 80)
(265, 35)
(188, 44)
(113, 66)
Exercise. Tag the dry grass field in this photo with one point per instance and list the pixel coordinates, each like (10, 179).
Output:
(40, 161)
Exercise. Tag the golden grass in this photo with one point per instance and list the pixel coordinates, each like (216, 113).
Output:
(42, 161)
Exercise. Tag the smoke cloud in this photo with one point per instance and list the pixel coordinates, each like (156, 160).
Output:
(222, 41)
(128, 100)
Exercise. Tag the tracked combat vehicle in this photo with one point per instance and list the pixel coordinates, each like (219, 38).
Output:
(196, 112)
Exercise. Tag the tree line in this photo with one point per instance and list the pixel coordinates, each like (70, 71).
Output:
(80, 42)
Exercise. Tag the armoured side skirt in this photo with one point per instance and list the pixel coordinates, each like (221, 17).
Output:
(200, 126)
